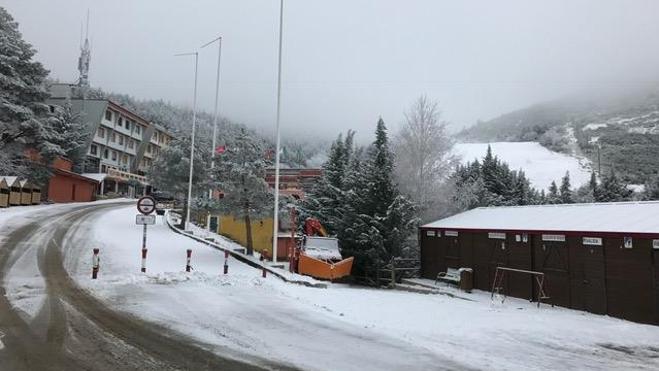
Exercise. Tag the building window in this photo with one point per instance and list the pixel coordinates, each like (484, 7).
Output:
(105, 154)
(148, 148)
(114, 155)
(108, 115)
(127, 125)
(113, 138)
(138, 129)
(101, 133)
(121, 140)
(93, 150)
(131, 143)
(120, 121)
(124, 159)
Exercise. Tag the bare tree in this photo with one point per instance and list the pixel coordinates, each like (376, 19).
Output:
(424, 157)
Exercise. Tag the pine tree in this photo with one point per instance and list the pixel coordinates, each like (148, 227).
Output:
(552, 196)
(22, 97)
(613, 189)
(566, 195)
(69, 132)
(240, 175)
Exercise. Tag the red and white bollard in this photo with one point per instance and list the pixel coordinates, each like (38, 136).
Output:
(144, 250)
(189, 257)
(226, 261)
(96, 262)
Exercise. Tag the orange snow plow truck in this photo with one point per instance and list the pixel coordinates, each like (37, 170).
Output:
(318, 256)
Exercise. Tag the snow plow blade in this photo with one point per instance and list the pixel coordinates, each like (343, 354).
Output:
(322, 270)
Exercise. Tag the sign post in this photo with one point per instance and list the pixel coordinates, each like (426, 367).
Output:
(145, 205)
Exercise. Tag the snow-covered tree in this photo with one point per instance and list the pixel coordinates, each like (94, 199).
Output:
(553, 197)
(22, 107)
(68, 132)
(566, 194)
(612, 189)
(424, 156)
(240, 174)
(170, 171)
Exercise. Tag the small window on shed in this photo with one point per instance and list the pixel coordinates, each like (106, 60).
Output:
(430, 233)
(655, 244)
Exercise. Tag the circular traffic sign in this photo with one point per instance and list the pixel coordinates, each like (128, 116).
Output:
(146, 205)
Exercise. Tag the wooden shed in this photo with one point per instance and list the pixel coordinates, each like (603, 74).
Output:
(602, 258)
(36, 194)
(4, 193)
(14, 185)
(26, 192)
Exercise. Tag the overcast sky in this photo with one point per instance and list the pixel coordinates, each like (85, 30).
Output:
(347, 62)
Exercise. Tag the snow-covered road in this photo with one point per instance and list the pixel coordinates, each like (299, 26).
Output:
(244, 316)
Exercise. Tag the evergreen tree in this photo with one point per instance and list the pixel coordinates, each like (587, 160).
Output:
(651, 191)
(613, 189)
(552, 196)
(22, 107)
(69, 132)
(566, 196)
(240, 175)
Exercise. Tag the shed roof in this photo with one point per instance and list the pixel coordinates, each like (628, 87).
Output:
(614, 217)
(11, 180)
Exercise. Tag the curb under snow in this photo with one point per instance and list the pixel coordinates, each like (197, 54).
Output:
(246, 259)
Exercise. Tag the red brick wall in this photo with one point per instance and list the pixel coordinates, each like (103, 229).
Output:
(60, 189)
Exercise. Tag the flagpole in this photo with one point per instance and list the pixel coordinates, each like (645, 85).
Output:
(275, 226)
(194, 125)
(215, 116)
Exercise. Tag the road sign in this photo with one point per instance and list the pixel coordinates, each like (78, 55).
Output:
(146, 205)
(145, 219)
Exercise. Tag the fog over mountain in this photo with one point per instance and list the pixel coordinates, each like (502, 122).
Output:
(348, 62)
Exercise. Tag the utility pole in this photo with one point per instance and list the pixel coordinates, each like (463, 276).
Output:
(194, 125)
(215, 115)
(275, 225)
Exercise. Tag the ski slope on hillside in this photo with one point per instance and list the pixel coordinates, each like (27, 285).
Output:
(540, 164)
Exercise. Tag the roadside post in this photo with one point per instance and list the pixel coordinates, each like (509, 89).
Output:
(187, 264)
(95, 263)
(145, 205)
(226, 261)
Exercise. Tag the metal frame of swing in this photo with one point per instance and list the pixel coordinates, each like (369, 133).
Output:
(500, 274)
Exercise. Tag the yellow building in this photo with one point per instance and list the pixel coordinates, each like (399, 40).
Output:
(234, 228)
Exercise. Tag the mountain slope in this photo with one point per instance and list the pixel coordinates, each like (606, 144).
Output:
(625, 128)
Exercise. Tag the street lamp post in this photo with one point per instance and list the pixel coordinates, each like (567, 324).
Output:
(215, 114)
(275, 227)
(194, 125)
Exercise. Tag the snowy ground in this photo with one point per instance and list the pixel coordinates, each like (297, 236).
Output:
(541, 165)
(341, 327)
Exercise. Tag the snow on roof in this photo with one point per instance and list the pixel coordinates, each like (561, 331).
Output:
(10, 180)
(99, 177)
(614, 217)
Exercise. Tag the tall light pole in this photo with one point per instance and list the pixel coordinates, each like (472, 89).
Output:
(215, 113)
(194, 125)
(275, 226)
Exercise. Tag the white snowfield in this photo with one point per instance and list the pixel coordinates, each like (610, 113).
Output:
(341, 327)
(541, 165)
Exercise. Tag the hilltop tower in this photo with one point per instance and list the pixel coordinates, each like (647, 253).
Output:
(83, 60)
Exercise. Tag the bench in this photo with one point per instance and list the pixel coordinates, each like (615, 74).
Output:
(452, 275)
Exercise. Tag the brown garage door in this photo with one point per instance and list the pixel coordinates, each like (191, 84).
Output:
(587, 274)
(630, 279)
(551, 257)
